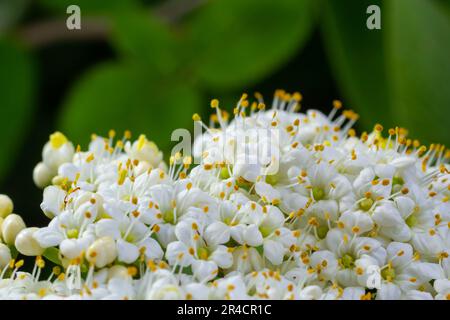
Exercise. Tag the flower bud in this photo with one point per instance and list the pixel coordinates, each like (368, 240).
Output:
(26, 244)
(58, 180)
(42, 175)
(71, 248)
(1, 222)
(118, 271)
(6, 205)
(57, 151)
(102, 252)
(11, 226)
(5, 255)
(53, 201)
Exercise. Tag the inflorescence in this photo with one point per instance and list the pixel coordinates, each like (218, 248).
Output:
(321, 214)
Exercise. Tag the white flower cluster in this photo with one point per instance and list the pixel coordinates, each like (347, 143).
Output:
(322, 214)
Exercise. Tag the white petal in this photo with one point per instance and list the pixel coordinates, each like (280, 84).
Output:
(222, 257)
(204, 270)
(274, 252)
(107, 228)
(402, 252)
(47, 237)
(253, 236)
(418, 295)
(152, 249)
(428, 271)
(217, 233)
(177, 253)
(127, 252)
(310, 293)
(389, 291)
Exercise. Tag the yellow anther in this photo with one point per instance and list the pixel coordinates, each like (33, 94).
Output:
(40, 264)
(337, 104)
(378, 127)
(132, 271)
(122, 176)
(42, 292)
(196, 117)
(111, 134)
(214, 103)
(19, 264)
(57, 140)
(56, 270)
(90, 158)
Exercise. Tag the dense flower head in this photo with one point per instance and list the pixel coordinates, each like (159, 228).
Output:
(302, 209)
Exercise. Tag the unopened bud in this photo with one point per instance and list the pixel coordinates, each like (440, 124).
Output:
(6, 205)
(102, 252)
(42, 175)
(5, 255)
(118, 272)
(26, 244)
(11, 226)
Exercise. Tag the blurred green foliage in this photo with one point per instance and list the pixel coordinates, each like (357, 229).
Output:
(418, 55)
(357, 57)
(16, 100)
(233, 43)
(167, 66)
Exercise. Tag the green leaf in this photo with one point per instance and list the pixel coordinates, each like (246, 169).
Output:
(52, 254)
(16, 101)
(187, 270)
(419, 64)
(140, 36)
(11, 12)
(357, 58)
(87, 6)
(234, 43)
(125, 97)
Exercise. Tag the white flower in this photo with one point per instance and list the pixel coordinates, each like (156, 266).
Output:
(402, 274)
(133, 238)
(283, 205)
(349, 250)
(205, 249)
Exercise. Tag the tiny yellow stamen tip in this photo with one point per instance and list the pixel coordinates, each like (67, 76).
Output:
(337, 104)
(214, 103)
(111, 134)
(196, 117)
